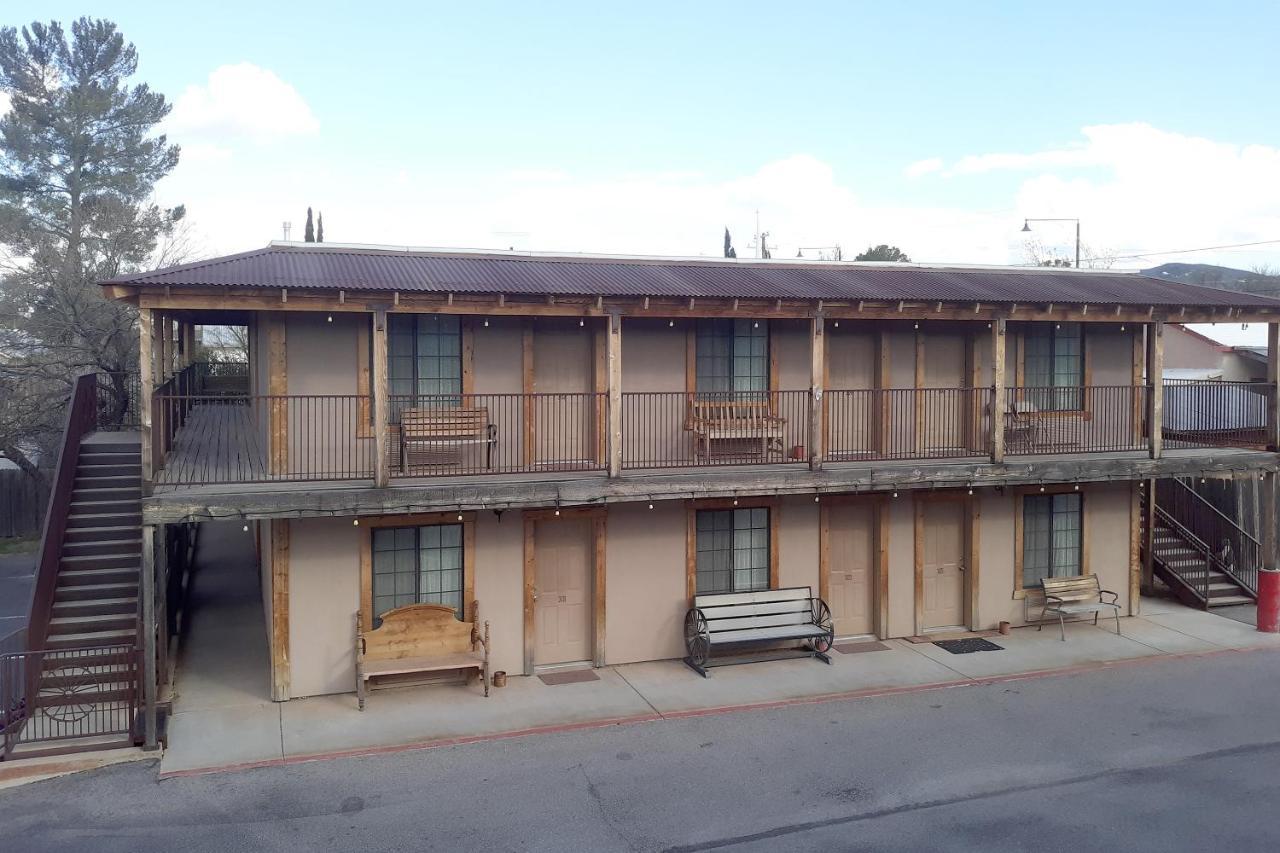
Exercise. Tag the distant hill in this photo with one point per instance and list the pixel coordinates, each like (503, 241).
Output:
(1226, 278)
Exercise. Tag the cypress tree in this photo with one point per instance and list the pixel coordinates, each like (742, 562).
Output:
(320, 227)
(310, 235)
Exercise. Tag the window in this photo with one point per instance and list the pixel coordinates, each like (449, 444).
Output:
(424, 360)
(732, 550)
(417, 565)
(732, 356)
(1054, 366)
(1051, 537)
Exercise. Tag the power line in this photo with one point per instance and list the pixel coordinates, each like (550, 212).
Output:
(1186, 251)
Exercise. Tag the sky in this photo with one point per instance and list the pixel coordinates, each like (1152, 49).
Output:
(650, 128)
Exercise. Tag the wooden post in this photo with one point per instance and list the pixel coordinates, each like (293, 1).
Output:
(147, 580)
(189, 345)
(613, 360)
(381, 405)
(817, 364)
(145, 385)
(998, 394)
(277, 389)
(281, 680)
(1273, 388)
(1155, 391)
(1135, 550)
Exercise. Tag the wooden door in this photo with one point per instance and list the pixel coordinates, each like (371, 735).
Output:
(850, 407)
(851, 568)
(942, 563)
(942, 412)
(563, 552)
(562, 377)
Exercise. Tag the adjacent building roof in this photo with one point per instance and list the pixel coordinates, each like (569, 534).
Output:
(380, 268)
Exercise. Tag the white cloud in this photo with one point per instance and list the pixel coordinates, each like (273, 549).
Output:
(241, 101)
(921, 168)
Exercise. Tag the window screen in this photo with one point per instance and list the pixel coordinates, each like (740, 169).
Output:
(1054, 366)
(733, 550)
(1051, 537)
(732, 356)
(417, 565)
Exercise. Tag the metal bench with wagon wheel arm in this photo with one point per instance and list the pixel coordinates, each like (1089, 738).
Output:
(736, 621)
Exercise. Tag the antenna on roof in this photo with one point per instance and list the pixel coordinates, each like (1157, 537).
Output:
(286, 227)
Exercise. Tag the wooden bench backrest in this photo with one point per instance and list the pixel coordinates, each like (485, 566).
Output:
(417, 630)
(729, 410)
(1081, 588)
(731, 611)
(443, 422)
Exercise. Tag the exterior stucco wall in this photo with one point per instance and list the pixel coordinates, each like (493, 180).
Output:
(324, 595)
(499, 585)
(645, 598)
(901, 554)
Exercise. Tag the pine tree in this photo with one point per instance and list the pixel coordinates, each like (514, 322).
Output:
(310, 235)
(320, 227)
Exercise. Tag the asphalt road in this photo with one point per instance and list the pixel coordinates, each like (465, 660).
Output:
(1163, 756)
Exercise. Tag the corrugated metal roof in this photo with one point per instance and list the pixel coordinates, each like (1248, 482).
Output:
(328, 266)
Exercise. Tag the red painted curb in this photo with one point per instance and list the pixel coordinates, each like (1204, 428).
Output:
(867, 693)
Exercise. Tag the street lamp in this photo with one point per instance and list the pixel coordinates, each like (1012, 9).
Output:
(1026, 226)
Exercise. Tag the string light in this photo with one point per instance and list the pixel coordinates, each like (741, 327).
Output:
(671, 323)
(486, 322)
(246, 528)
(355, 522)
(329, 319)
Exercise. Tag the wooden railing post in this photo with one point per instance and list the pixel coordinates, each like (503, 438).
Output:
(1155, 389)
(147, 584)
(613, 361)
(998, 393)
(381, 405)
(817, 385)
(1273, 386)
(145, 386)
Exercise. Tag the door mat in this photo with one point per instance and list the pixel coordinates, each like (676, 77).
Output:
(858, 648)
(573, 676)
(918, 639)
(964, 647)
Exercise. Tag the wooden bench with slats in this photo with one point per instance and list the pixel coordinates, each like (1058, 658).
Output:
(421, 638)
(1077, 596)
(446, 428)
(729, 421)
(735, 621)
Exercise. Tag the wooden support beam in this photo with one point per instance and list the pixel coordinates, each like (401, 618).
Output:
(998, 395)
(817, 383)
(600, 537)
(1149, 536)
(613, 361)
(1273, 386)
(147, 582)
(277, 389)
(381, 405)
(1135, 550)
(146, 383)
(281, 674)
(1155, 389)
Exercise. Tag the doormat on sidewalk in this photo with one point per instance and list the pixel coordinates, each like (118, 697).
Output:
(573, 676)
(964, 647)
(857, 648)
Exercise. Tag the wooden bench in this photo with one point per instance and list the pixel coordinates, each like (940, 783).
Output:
(420, 638)
(1076, 596)
(722, 421)
(739, 620)
(446, 428)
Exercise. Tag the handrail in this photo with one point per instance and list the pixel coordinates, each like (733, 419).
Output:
(81, 419)
(1198, 545)
(1208, 504)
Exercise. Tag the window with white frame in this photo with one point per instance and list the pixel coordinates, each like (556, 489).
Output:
(732, 357)
(1053, 366)
(732, 550)
(1052, 536)
(417, 565)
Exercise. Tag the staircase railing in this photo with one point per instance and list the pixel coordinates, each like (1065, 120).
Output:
(1234, 552)
(1196, 580)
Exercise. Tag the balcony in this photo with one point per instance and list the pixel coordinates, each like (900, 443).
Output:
(207, 431)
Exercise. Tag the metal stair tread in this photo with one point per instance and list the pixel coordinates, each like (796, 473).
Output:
(87, 620)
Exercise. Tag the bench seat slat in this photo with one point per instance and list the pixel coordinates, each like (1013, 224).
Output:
(775, 619)
(719, 599)
(399, 666)
(777, 632)
(738, 611)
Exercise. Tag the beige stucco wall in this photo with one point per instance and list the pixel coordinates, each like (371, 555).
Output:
(901, 558)
(645, 598)
(324, 594)
(499, 585)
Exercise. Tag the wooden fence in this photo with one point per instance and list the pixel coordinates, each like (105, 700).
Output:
(22, 504)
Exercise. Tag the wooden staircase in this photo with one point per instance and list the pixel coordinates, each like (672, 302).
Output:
(1181, 564)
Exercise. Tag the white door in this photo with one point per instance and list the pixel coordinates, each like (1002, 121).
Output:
(942, 568)
(850, 568)
(563, 553)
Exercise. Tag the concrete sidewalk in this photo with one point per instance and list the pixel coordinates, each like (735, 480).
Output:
(223, 719)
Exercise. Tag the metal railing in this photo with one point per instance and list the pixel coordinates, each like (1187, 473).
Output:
(1075, 419)
(118, 401)
(1227, 546)
(907, 423)
(1216, 414)
(672, 429)
(466, 434)
(53, 695)
(210, 439)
